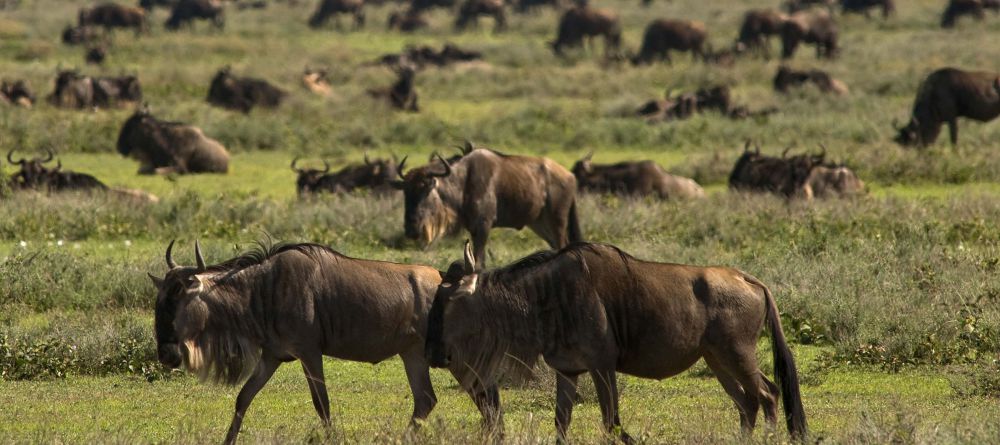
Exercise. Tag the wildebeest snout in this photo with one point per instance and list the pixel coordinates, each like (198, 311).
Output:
(169, 355)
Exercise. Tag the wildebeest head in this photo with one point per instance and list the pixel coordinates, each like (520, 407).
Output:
(425, 215)
(181, 315)
(134, 125)
(583, 168)
(457, 285)
(17, 92)
(308, 180)
(909, 135)
(33, 172)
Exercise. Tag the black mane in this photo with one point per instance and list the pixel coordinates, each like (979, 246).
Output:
(264, 251)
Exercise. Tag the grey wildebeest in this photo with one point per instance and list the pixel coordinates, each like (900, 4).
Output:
(592, 308)
(486, 189)
(787, 78)
(663, 35)
(75, 90)
(113, 15)
(582, 22)
(470, 11)
(401, 95)
(16, 92)
(376, 175)
(888, 7)
(943, 97)
(815, 27)
(333, 8)
(170, 147)
(757, 28)
(241, 319)
(832, 181)
(975, 8)
(783, 176)
(242, 93)
(637, 178)
(187, 11)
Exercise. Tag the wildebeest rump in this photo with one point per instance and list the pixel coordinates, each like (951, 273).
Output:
(786, 78)
(187, 11)
(112, 15)
(943, 97)
(331, 8)
(486, 189)
(594, 308)
(635, 178)
(376, 175)
(832, 181)
(75, 90)
(663, 35)
(815, 27)
(584, 21)
(246, 316)
(757, 28)
(16, 92)
(888, 7)
(783, 176)
(400, 95)
(242, 93)
(470, 11)
(170, 147)
(974, 8)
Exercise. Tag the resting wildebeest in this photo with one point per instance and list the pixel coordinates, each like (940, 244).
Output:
(248, 315)
(486, 189)
(401, 94)
(74, 90)
(77, 35)
(943, 97)
(33, 175)
(758, 27)
(329, 8)
(186, 11)
(112, 15)
(815, 27)
(316, 80)
(470, 11)
(663, 35)
(407, 21)
(865, 6)
(242, 93)
(170, 147)
(423, 56)
(376, 175)
(16, 92)
(786, 78)
(584, 21)
(596, 309)
(782, 176)
(974, 8)
(638, 178)
(832, 181)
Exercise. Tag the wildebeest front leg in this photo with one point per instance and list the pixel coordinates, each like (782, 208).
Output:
(419, 377)
(313, 367)
(265, 369)
(488, 402)
(607, 395)
(479, 237)
(565, 397)
(953, 131)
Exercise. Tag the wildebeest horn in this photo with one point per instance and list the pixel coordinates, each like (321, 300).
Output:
(296, 170)
(326, 167)
(170, 260)
(447, 168)
(367, 162)
(58, 164)
(784, 153)
(197, 255)
(470, 259)
(399, 168)
(589, 156)
(823, 153)
(50, 155)
(11, 160)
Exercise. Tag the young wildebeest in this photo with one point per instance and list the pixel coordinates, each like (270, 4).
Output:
(77, 35)
(407, 21)
(17, 92)
(376, 175)
(782, 176)
(758, 27)
(786, 78)
(400, 95)
(639, 178)
(584, 21)
(943, 97)
(470, 11)
(74, 90)
(186, 11)
(592, 308)
(815, 27)
(111, 15)
(974, 8)
(316, 80)
(170, 147)
(663, 35)
(329, 8)
(33, 175)
(248, 315)
(865, 6)
(486, 189)
(242, 93)
(832, 181)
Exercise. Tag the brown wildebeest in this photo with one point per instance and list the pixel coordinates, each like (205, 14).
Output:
(888, 7)
(594, 308)
(663, 35)
(16, 92)
(248, 315)
(74, 90)
(170, 147)
(376, 175)
(400, 95)
(786, 78)
(815, 27)
(757, 28)
(33, 175)
(186, 11)
(316, 80)
(783, 176)
(112, 15)
(974, 8)
(943, 97)
(407, 21)
(584, 21)
(639, 178)
(333, 8)
(470, 11)
(832, 181)
(486, 189)
(78, 35)
(242, 93)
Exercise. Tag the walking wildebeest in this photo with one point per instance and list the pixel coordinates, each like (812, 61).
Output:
(786, 78)
(248, 315)
(758, 27)
(400, 95)
(74, 90)
(332, 8)
(832, 181)
(78, 35)
(170, 147)
(112, 15)
(242, 93)
(815, 27)
(486, 189)
(186, 11)
(376, 175)
(316, 80)
(16, 92)
(974, 8)
(639, 178)
(782, 176)
(865, 6)
(584, 21)
(470, 11)
(943, 97)
(594, 308)
(663, 35)
(407, 21)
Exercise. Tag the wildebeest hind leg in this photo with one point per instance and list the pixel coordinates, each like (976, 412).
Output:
(606, 383)
(488, 402)
(265, 369)
(732, 388)
(419, 377)
(953, 131)
(565, 398)
(313, 367)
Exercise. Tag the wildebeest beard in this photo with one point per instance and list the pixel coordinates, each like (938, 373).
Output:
(443, 221)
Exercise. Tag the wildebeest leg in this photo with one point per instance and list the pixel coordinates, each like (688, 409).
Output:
(265, 369)
(607, 395)
(953, 131)
(565, 397)
(488, 402)
(312, 364)
(732, 388)
(479, 237)
(419, 377)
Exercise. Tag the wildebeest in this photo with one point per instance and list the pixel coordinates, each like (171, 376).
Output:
(16, 92)
(170, 147)
(34, 175)
(149, 5)
(242, 93)
(400, 95)
(943, 97)
(583, 21)
(815, 27)
(112, 15)
(376, 175)
(330, 8)
(784, 176)
(594, 308)
(786, 78)
(832, 181)
(888, 7)
(757, 28)
(407, 21)
(78, 35)
(75, 90)
(186, 11)
(422, 56)
(685, 105)
(248, 315)
(316, 80)
(470, 11)
(663, 35)
(638, 178)
(96, 55)
(974, 8)
(486, 189)
(799, 5)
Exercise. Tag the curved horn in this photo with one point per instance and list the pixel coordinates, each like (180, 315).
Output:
(589, 156)
(367, 161)
(784, 154)
(50, 155)
(197, 255)
(746, 146)
(823, 153)
(58, 165)
(11, 160)
(447, 169)
(399, 168)
(326, 167)
(170, 260)
(296, 170)
(468, 147)
(470, 259)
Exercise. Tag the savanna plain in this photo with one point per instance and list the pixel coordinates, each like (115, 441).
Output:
(891, 300)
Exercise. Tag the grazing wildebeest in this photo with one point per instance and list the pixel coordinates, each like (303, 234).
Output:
(170, 147)
(638, 178)
(584, 21)
(943, 97)
(470, 11)
(332, 8)
(783, 176)
(74, 90)
(242, 93)
(186, 11)
(112, 15)
(663, 35)
(799, 5)
(407, 21)
(786, 78)
(376, 175)
(400, 95)
(96, 55)
(815, 27)
(832, 181)
(78, 35)
(865, 6)
(248, 315)
(486, 189)
(316, 80)
(758, 27)
(594, 308)
(16, 92)
(974, 8)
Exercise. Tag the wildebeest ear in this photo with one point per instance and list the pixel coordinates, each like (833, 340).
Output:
(158, 282)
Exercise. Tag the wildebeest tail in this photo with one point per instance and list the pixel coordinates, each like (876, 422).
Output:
(575, 234)
(785, 373)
